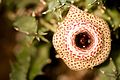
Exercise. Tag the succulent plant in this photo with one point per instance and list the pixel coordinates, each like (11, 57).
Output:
(82, 39)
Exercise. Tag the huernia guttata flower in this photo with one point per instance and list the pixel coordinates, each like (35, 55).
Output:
(82, 40)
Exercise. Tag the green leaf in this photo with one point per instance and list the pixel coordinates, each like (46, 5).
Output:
(40, 60)
(26, 24)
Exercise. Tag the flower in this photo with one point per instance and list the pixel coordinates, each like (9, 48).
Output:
(82, 40)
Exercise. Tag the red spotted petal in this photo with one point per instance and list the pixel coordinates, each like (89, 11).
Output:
(82, 40)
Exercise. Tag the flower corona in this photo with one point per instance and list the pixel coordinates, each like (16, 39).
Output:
(82, 40)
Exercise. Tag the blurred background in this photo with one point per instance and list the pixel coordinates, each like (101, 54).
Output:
(26, 30)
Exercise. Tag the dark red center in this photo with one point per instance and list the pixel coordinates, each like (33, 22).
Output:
(82, 40)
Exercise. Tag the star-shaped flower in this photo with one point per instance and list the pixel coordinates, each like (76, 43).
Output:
(82, 40)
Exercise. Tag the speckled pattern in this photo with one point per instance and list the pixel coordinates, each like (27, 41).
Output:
(75, 22)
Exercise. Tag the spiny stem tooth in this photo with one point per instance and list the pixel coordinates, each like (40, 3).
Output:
(119, 25)
(103, 72)
(57, 56)
(109, 18)
(102, 11)
(86, 10)
(49, 61)
(110, 59)
(113, 25)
